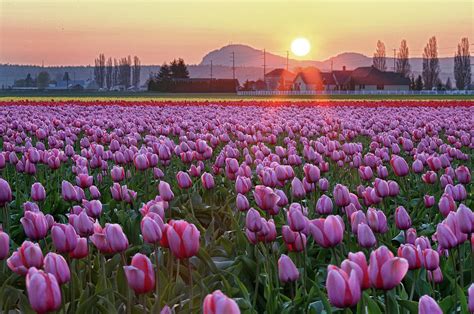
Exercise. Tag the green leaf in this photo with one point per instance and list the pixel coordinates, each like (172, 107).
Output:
(411, 306)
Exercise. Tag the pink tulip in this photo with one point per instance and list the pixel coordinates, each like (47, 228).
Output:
(207, 181)
(253, 220)
(140, 274)
(4, 245)
(428, 305)
(324, 205)
(430, 259)
(56, 264)
(327, 232)
(287, 271)
(365, 236)
(446, 204)
(116, 239)
(446, 236)
(381, 188)
(35, 225)
(356, 219)
(243, 185)
(435, 276)
(429, 201)
(296, 219)
(64, 238)
(465, 219)
(165, 191)
(94, 191)
(359, 259)
(43, 290)
(399, 166)
(152, 226)
(386, 271)
(343, 289)
(377, 220)
(402, 218)
(82, 223)
(410, 236)
(5, 192)
(266, 199)
(219, 303)
(471, 298)
(412, 254)
(117, 173)
(341, 195)
(93, 208)
(242, 203)
(141, 162)
(183, 239)
(184, 181)
(297, 188)
(295, 241)
(323, 184)
(84, 180)
(26, 256)
(68, 191)
(365, 173)
(38, 193)
(417, 166)
(81, 250)
(463, 174)
(393, 188)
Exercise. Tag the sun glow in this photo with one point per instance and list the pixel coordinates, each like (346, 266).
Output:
(300, 47)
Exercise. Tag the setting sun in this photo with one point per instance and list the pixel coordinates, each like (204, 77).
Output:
(300, 47)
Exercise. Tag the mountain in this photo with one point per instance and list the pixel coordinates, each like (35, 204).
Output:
(248, 66)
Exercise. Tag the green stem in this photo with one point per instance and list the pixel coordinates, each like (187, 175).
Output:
(387, 308)
(412, 291)
(129, 296)
(190, 287)
(254, 302)
(460, 257)
(455, 281)
(71, 286)
(157, 287)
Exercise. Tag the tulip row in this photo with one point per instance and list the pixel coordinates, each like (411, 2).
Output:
(230, 208)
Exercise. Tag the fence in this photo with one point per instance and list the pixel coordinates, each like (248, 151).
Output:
(349, 92)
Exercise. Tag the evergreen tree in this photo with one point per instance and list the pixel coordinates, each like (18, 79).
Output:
(402, 62)
(178, 69)
(431, 64)
(462, 65)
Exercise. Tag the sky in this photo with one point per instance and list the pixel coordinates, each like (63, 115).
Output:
(74, 32)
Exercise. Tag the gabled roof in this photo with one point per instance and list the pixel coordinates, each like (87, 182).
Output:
(373, 76)
(341, 77)
(310, 76)
(328, 78)
(281, 73)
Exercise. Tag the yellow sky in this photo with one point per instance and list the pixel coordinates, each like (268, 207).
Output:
(75, 31)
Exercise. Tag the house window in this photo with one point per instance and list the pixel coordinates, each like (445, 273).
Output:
(380, 87)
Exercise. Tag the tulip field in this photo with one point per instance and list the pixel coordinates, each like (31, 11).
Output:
(236, 207)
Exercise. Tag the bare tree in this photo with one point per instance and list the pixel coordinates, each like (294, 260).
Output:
(115, 74)
(403, 63)
(99, 70)
(431, 64)
(109, 73)
(462, 65)
(136, 72)
(125, 69)
(379, 57)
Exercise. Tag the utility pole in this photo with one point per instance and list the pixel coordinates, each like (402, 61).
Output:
(211, 69)
(287, 57)
(233, 65)
(394, 57)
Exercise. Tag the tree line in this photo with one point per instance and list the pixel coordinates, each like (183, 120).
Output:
(163, 80)
(429, 78)
(117, 72)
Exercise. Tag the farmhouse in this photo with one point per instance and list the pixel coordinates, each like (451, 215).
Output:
(308, 79)
(370, 78)
(279, 79)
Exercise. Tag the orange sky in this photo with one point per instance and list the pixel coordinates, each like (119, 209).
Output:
(72, 32)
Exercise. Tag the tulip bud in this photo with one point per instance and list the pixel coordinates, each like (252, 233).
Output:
(38, 193)
(43, 290)
(5, 193)
(412, 254)
(165, 191)
(64, 238)
(56, 264)
(287, 271)
(219, 303)
(430, 259)
(324, 205)
(183, 239)
(343, 289)
(27, 256)
(140, 274)
(81, 250)
(365, 236)
(428, 305)
(402, 218)
(385, 270)
(4, 245)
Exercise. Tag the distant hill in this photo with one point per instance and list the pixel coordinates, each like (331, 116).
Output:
(248, 62)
